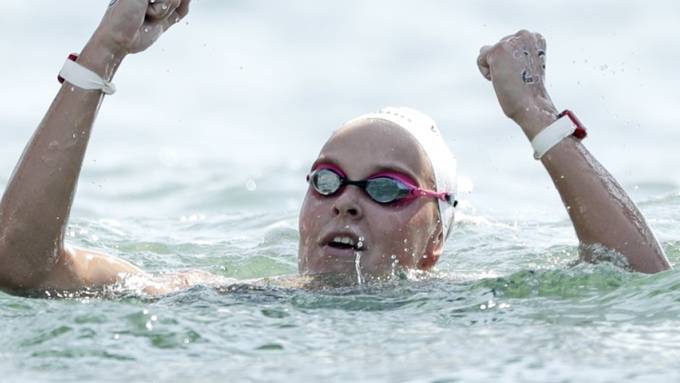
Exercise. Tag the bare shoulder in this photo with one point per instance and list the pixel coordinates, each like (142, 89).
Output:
(82, 268)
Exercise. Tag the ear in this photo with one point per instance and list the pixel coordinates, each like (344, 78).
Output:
(434, 250)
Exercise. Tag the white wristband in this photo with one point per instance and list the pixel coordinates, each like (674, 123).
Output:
(552, 135)
(84, 78)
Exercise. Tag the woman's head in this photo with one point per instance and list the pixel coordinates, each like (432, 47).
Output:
(400, 144)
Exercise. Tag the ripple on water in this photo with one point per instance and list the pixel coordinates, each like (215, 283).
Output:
(505, 296)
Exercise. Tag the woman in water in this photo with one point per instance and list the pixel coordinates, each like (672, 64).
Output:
(381, 192)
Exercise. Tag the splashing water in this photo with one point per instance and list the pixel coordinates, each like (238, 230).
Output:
(357, 266)
(393, 263)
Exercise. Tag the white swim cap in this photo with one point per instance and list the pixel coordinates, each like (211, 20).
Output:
(426, 133)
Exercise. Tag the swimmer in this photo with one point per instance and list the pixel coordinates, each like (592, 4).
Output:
(381, 192)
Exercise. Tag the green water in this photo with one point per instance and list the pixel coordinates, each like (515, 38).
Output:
(500, 307)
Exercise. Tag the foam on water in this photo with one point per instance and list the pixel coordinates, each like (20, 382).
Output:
(553, 310)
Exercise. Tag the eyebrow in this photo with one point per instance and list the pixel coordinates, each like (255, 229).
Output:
(376, 168)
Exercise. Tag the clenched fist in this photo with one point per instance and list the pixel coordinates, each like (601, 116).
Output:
(131, 26)
(516, 67)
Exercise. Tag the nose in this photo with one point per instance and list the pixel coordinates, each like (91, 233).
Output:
(347, 203)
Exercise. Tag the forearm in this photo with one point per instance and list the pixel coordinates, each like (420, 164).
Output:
(36, 204)
(601, 211)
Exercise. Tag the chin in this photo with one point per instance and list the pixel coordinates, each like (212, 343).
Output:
(326, 265)
(340, 266)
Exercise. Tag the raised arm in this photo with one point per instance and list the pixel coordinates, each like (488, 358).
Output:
(603, 215)
(36, 204)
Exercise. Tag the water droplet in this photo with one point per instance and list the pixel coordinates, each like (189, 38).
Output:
(146, 29)
(251, 185)
(164, 7)
(152, 1)
(73, 89)
(177, 19)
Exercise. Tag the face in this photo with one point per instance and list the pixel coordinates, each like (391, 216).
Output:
(395, 235)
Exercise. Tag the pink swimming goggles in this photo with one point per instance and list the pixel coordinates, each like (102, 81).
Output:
(383, 188)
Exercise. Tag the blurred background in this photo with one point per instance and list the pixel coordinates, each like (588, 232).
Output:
(246, 92)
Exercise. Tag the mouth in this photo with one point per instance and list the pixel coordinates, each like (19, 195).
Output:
(344, 241)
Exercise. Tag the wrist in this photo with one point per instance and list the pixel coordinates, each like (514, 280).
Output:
(536, 117)
(101, 59)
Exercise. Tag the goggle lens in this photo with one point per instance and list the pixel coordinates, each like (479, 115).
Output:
(386, 190)
(326, 182)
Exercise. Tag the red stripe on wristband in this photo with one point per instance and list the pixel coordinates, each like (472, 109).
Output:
(72, 57)
(580, 131)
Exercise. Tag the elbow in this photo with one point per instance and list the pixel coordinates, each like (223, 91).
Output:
(17, 275)
(651, 264)
(17, 280)
(642, 258)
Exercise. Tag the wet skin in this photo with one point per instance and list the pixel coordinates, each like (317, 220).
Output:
(402, 235)
(36, 204)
